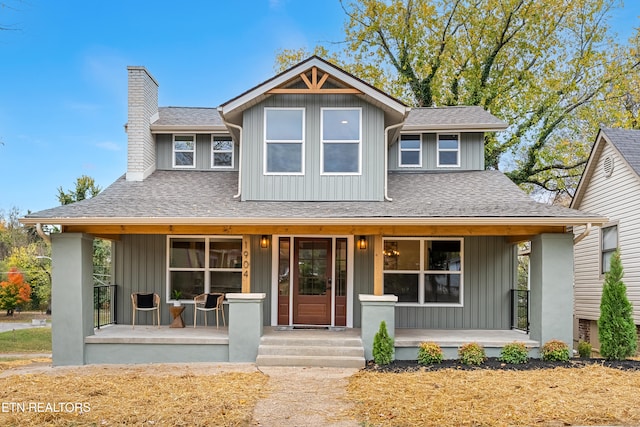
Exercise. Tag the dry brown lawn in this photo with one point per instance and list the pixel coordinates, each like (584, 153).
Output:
(593, 395)
(142, 395)
(192, 395)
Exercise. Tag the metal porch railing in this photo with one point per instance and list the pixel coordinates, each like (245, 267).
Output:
(520, 309)
(104, 303)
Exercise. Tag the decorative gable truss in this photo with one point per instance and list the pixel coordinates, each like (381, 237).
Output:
(313, 85)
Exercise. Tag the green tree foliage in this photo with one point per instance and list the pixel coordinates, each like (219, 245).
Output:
(617, 332)
(36, 269)
(549, 68)
(383, 346)
(14, 291)
(86, 188)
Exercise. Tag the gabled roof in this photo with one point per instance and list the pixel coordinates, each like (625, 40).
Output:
(206, 198)
(337, 76)
(625, 141)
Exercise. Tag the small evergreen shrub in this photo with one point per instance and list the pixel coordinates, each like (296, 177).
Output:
(555, 351)
(616, 330)
(584, 349)
(514, 353)
(472, 354)
(429, 353)
(382, 346)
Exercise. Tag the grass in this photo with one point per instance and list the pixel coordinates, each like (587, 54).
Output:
(23, 316)
(32, 340)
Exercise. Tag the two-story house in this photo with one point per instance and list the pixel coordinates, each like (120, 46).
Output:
(311, 200)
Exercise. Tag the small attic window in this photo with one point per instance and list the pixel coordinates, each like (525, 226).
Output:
(607, 166)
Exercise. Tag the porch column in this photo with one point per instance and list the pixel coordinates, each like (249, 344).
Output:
(375, 309)
(378, 265)
(71, 296)
(246, 263)
(245, 325)
(551, 293)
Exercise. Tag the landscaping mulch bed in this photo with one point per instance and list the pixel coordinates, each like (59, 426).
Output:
(579, 392)
(399, 366)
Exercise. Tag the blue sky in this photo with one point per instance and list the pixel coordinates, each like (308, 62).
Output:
(63, 80)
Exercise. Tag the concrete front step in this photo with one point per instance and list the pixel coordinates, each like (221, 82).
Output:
(315, 361)
(311, 349)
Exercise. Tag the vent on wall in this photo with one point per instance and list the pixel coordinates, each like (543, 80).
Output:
(607, 166)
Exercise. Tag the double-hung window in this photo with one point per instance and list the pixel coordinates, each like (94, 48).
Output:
(427, 271)
(203, 264)
(284, 141)
(184, 151)
(341, 141)
(410, 151)
(448, 150)
(221, 152)
(609, 245)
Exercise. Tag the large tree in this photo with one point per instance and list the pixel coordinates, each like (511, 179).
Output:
(549, 68)
(86, 188)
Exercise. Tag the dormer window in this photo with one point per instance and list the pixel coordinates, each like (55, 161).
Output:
(341, 141)
(410, 151)
(284, 141)
(221, 152)
(184, 151)
(448, 150)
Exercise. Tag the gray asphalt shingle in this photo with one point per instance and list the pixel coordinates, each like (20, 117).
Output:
(627, 141)
(193, 194)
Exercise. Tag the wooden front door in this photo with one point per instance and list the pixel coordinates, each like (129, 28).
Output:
(312, 281)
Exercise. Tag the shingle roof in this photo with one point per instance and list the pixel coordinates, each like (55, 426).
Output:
(188, 117)
(441, 118)
(200, 195)
(454, 118)
(627, 141)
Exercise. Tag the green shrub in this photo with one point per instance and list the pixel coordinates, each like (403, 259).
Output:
(555, 351)
(472, 354)
(514, 353)
(382, 346)
(617, 332)
(584, 349)
(429, 353)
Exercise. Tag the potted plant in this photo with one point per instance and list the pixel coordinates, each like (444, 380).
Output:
(176, 294)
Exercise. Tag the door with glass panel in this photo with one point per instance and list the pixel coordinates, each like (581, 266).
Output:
(312, 281)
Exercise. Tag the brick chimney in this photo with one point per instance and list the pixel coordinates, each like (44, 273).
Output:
(143, 109)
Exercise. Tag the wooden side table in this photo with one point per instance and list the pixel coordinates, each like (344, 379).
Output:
(176, 312)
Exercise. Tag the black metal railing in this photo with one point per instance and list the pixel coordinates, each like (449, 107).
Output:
(520, 309)
(104, 305)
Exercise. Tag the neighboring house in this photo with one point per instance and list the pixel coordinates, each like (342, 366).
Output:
(610, 186)
(312, 199)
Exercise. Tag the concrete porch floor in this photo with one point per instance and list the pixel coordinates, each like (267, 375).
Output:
(213, 335)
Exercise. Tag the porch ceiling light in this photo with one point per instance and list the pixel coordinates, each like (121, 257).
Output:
(362, 242)
(264, 241)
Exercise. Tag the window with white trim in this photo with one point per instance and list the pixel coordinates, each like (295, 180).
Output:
(609, 238)
(203, 264)
(448, 150)
(221, 152)
(284, 141)
(410, 148)
(184, 151)
(341, 135)
(425, 271)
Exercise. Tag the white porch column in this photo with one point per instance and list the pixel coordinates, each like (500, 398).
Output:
(551, 293)
(71, 296)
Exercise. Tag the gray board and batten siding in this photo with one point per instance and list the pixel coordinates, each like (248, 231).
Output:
(140, 265)
(313, 186)
(471, 153)
(490, 270)
(164, 157)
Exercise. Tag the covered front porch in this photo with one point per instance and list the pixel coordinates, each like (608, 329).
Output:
(151, 344)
